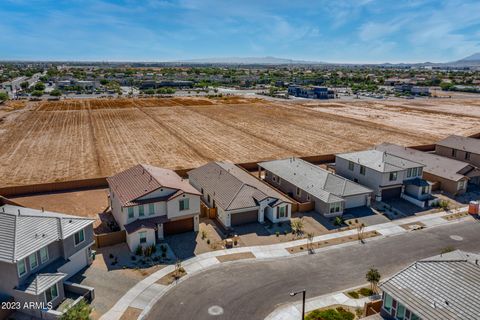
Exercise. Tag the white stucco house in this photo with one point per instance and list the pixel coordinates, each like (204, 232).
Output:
(238, 196)
(150, 203)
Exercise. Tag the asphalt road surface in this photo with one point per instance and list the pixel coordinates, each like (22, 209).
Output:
(251, 290)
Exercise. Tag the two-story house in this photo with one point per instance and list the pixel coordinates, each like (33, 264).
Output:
(387, 175)
(329, 193)
(451, 175)
(464, 149)
(238, 196)
(149, 203)
(39, 251)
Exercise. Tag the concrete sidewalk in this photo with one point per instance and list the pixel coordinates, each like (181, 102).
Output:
(293, 310)
(147, 292)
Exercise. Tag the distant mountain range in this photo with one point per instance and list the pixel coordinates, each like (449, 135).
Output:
(473, 57)
(248, 61)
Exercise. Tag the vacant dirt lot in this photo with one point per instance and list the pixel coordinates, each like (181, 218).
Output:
(77, 139)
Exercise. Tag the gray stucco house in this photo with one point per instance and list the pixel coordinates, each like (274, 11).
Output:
(39, 252)
(441, 287)
(331, 194)
(388, 175)
(465, 149)
(238, 196)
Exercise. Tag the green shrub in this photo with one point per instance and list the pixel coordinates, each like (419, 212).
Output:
(366, 292)
(277, 233)
(139, 251)
(330, 314)
(81, 311)
(354, 294)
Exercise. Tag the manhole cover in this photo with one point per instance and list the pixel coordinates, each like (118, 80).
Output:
(215, 310)
(456, 238)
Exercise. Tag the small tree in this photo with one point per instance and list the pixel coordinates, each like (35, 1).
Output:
(40, 86)
(37, 93)
(24, 85)
(55, 93)
(360, 230)
(297, 226)
(310, 242)
(373, 276)
(3, 96)
(80, 311)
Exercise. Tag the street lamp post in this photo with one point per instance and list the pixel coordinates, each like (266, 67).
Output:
(294, 293)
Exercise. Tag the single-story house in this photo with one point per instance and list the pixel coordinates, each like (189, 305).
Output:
(305, 182)
(441, 287)
(453, 175)
(238, 196)
(460, 148)
(150, 202)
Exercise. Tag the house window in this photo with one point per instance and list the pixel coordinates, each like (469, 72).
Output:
(393, 176)
(274, 178)
(414, 172)
(467, 155)
(387, 302)
(33, 261)
(414, 317)
(362, 170)
(21, 267)
(279, 180)
(461, 185)
(409, 172)
(202, 190)
(351, 165)
(335, 207)
(308, 197)
(282, 212)
(400, 312)
(298, 192)
(420, 170)
(44, 254)
(130, 212)
(141, 211)
(208, 198)
(424, 190)
(184, 204)
(151, 209)
(51, 293)
(79, 237)
(143, 236)
(454, 152)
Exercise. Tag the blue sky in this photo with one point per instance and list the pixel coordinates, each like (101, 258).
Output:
(166, 30)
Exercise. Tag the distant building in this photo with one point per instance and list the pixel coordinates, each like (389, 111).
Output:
(415, 90)
(86, 85)
(152, 84)
(314, 92)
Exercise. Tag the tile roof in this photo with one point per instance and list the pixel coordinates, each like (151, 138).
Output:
(142, 179)
(318, 182)
(25, 230)
(461, 143)
(149, 223)
(379, 160)
(434, 164)
(441, 287)
(232, 187)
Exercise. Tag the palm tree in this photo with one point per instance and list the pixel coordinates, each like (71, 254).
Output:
(297, 226)
(373, 276)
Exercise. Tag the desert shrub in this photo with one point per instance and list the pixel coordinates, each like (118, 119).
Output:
(330, 314)
(277, 233)
(354, 294)
(139, 251)
(366, 292)
(80, 311)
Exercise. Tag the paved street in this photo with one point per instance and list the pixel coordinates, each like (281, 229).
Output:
(250, 290)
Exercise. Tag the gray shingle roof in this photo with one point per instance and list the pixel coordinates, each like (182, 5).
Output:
(441, 287)
(440, 166)
(461, 143)
(41, 282)
(232, 187)
(142, 179)
(379, 160)
(24, 230)
(318, 182)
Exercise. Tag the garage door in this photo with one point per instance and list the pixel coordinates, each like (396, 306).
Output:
(244, 217)
(77, 262)
(356, 201)
(391, 193)
(178, 226)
